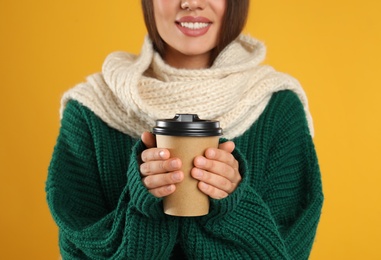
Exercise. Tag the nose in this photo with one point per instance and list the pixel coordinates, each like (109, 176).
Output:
(197, 4)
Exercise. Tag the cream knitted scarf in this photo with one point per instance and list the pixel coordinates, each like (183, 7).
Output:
(133, 91)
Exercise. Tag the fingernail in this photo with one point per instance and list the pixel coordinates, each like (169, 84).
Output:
(176, 176)
(161, 154)
(211, 153)
(174, 164)
(198, 173)
(201, 161)
(203, 185)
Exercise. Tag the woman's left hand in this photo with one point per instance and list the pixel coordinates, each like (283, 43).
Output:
(217, 171)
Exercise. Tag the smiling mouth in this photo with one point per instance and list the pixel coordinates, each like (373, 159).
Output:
(194, 26)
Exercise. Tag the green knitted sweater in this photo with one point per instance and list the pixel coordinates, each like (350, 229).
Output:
(103, 211)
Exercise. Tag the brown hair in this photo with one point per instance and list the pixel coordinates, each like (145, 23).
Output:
(232, 25)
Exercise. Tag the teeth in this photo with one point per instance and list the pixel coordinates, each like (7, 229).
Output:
(194, 26)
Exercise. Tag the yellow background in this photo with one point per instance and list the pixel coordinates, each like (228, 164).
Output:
(332, 47)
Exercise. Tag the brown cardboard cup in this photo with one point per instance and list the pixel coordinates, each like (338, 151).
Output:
(186, 136)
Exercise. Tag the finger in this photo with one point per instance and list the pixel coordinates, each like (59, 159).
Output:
(154, 154)
(221, 155)
(148, 139)
(214, 180)
(212, 191)
(161, 180)
(155, 167)
(163, 191)
(219, 168)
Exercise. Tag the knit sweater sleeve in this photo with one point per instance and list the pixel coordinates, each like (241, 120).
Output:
(80, 185)
(274, 212)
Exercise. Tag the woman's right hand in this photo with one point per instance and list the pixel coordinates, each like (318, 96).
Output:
(159, 172)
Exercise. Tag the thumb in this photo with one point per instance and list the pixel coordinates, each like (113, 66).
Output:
(227, 146)
(148, 139)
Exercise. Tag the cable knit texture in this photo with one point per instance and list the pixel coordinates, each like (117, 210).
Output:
(133, 91)
(103, 211)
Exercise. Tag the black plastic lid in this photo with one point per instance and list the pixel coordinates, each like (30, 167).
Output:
(187, 125)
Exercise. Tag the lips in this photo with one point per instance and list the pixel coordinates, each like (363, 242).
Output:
(193, 26)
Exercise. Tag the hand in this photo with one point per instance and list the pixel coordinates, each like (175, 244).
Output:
(159, 172)
(217, 171)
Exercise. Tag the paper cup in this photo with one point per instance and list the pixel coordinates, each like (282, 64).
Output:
(187, 136)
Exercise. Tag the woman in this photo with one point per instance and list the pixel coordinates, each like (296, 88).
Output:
(107, 179)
